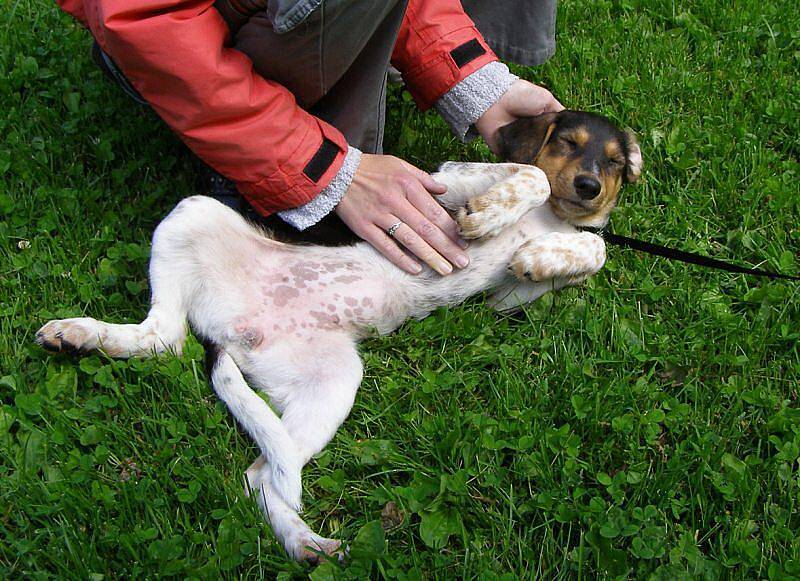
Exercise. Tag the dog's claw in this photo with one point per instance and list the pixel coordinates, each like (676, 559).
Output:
(49, 344)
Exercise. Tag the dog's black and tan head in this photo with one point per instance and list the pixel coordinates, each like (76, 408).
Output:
(585, 156)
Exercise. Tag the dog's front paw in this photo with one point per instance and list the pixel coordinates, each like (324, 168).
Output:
(503, 204)
(574, 257)
(69, 336)
(481, 218)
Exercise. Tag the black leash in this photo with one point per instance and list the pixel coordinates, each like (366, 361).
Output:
(683, 256)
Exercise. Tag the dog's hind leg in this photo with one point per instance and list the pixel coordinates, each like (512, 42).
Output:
(318, 377)
(261, 423)
(324, 395)
(174, 276)
(294, 535)
(164, 328)
(83, 335)
(313, 381)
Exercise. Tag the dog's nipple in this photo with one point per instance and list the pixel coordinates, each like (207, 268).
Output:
(252, 337)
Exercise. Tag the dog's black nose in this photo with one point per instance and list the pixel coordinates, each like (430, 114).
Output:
(587, 187)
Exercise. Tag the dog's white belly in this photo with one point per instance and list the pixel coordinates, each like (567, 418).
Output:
(269, 292)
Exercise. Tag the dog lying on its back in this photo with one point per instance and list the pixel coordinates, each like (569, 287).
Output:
(288, 317)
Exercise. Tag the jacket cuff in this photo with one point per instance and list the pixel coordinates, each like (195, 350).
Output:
(312, 212)
(293, 184)
(440, 72)
(471, 97)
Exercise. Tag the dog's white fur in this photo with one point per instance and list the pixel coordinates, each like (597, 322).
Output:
(288, 317)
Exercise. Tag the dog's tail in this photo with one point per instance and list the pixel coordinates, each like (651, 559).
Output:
(260, 422)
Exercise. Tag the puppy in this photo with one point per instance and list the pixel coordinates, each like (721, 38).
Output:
(288, 317)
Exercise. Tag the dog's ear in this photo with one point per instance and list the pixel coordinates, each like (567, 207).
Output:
(633, 166)
(522, 140)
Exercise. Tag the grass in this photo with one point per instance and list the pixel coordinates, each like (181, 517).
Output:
(643, 425)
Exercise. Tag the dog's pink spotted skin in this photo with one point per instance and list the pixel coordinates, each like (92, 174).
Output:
(288, 317)
(291, 296)
(315, 296)
(301, 297)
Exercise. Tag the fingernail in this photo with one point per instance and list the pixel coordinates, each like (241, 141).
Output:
(414, 268)
(462, 243)
(462, 261)
(444, 268)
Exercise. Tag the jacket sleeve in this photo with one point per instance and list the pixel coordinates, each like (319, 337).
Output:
(246, 127)
(438, 46)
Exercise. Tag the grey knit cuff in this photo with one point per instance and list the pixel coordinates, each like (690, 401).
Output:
(312, 212)
(464, 104)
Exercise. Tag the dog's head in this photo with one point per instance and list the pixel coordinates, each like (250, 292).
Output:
(585, 156)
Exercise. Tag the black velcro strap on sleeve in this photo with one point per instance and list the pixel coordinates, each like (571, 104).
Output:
(467, 52)
(322, 160)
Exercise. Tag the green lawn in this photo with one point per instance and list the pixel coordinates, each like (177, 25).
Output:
(645, 424)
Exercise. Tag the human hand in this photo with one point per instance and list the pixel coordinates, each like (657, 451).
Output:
(385, 191)
(522, 99)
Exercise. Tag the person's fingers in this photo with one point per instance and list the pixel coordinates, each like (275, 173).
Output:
(555, 105)
(431, 184)
(396, 191)
(426, 179)
(538, 107)
(389, 248)
(430, 208)
(406, 236)
(531, 100)
(436, 226)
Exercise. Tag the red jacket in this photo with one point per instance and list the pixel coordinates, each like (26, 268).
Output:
(176, 54)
